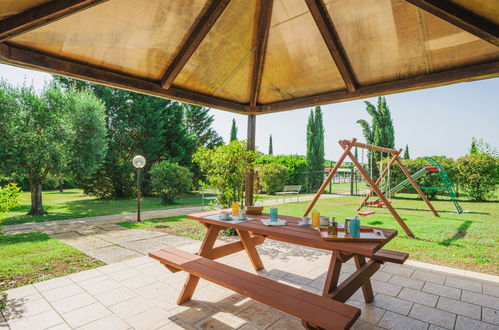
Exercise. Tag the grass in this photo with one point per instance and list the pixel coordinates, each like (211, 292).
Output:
(73, 203)
(35, 257)
(177, 225)
(466, 241)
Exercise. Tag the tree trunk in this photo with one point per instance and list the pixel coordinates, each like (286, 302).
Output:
(36, 199)
(61, 189)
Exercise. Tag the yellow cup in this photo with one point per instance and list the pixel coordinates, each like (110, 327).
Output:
(235, 208)
(316, 219)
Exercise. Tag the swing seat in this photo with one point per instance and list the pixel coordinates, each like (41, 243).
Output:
(366, 213)
(380, 204)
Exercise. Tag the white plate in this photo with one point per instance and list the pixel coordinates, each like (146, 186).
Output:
(267, 222)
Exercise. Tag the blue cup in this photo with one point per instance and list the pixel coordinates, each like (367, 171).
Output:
(354, 228)
(273, 214)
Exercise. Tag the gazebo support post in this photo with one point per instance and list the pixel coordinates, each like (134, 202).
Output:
(248, 196)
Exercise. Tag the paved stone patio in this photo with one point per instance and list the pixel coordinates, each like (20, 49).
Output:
(139, 293)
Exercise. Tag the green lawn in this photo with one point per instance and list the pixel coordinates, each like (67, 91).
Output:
(35, 257)
(177, 225)
(73, 203)
(466, 241)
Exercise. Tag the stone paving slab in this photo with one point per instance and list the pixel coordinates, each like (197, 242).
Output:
(139, 293)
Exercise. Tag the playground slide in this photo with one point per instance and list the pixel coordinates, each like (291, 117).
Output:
(406, 182)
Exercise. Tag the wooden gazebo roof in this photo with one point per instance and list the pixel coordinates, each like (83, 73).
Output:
(255, 56)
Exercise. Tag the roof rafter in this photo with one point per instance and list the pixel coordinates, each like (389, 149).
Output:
(198, 34)
(470, 73)
(33, 60)
(41, 15)
(262, 36)
(326, 27)
(462, 18)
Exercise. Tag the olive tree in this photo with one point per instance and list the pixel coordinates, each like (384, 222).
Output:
(51, 131)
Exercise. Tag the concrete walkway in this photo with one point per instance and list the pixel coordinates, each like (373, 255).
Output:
(140, 294)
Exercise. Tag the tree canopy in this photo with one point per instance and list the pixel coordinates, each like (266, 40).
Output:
(315, 149)
(380, 131)
(136, 124)
(53, 131)
(233, 131)
(271, 147)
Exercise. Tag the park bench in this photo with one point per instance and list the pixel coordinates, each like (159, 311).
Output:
(208, 195)
(289, 190)
(312, 309)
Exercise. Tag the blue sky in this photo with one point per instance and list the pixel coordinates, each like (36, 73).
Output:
(436, 121)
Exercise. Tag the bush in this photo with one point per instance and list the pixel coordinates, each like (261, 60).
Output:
(296, 165)
(273, 177)
(226, 168)
(478, 175)
(169, 180)
(9, 197)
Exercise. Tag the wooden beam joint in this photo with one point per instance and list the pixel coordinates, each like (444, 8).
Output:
(462, 18)
(330, 35)
(41, 15)
(198, 34)
(261, 40)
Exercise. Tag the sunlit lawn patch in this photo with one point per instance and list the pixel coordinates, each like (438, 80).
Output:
(34, 257)
(466, 241)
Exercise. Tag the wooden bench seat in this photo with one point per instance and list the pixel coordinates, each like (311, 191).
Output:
(313, 309)
(391, 256)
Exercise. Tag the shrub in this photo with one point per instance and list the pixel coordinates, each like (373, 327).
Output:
(478, 175)
(273, 177)
(226, 168)
(296, 165)
(9, 197)
(169, 180)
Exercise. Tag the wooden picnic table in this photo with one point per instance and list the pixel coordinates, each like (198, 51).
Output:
(252, 233)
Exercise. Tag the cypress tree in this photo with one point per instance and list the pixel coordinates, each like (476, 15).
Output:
(271, 149)
(473, 149)
(406, 152)
(233, 131)
(315, 148)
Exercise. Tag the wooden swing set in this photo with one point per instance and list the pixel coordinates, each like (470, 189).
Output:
(347, 146)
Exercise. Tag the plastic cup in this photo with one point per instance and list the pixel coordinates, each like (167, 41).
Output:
(354, 228)
(273, 214)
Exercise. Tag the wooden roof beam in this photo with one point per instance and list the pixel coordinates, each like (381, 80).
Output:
(34, 60)
(198, 34)
(41, 15)
(474, 72)
(462, 18)
(261, 40)
(326, 27)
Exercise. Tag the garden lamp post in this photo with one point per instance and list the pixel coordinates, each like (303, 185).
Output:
(138, 162)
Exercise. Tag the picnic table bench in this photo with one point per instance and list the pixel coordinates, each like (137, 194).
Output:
(326, 311)
(289, 190)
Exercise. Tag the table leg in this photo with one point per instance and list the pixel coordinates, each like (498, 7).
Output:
(192, 281)
(249, 246)
(333, 274)
(367, 289)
